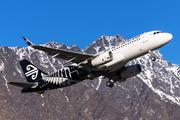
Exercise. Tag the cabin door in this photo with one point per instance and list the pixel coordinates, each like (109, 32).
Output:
(144, 38)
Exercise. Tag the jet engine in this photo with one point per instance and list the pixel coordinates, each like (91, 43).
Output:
(130, 71)
(102, 59)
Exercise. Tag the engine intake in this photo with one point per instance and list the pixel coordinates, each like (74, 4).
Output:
(130, 71)
(102, 59)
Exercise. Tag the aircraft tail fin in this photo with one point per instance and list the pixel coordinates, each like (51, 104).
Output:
(31, 72)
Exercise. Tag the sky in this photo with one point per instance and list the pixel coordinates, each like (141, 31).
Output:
(80, 22)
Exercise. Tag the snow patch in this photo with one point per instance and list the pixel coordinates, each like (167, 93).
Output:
(99, 83)
(43, 103)
(163, 95)
(66, 97)
(1, 66)
(6, 83)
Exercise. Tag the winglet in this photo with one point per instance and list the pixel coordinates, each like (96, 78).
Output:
(27, 41)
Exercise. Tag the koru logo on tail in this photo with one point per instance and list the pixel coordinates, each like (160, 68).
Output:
(32, 71)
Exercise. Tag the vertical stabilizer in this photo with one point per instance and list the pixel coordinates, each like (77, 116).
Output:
(31, 72)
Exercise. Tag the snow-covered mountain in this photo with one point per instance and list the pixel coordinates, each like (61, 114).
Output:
(153, 94)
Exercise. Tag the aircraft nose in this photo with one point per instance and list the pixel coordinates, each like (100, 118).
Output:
(166, 37)
(169, 36)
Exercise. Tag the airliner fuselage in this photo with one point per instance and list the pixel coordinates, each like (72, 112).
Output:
(109, 63)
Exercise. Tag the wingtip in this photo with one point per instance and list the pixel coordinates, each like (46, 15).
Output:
(27, 41)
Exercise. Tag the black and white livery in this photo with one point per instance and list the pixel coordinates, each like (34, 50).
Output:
(110, 63)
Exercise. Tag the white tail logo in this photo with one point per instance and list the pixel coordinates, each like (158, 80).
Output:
(31, 71)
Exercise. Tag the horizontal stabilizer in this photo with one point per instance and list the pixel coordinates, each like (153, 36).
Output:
(24, 84)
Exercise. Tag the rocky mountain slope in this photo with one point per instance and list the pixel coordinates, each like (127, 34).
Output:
(153, 94)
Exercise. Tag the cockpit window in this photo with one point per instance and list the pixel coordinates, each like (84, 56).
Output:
(157, 32)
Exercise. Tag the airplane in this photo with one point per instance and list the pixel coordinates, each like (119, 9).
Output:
(109, 63)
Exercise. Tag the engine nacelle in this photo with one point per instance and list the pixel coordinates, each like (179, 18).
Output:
(130, 71)
(102, 59)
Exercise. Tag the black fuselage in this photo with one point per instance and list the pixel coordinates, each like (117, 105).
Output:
(62, 78)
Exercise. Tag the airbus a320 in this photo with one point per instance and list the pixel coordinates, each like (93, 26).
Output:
(109, 63)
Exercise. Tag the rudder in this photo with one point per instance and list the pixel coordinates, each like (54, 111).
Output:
(31, 72)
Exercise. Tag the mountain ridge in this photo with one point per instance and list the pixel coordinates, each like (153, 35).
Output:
(153, 94)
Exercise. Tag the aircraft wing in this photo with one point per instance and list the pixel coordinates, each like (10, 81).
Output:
(63, 54)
